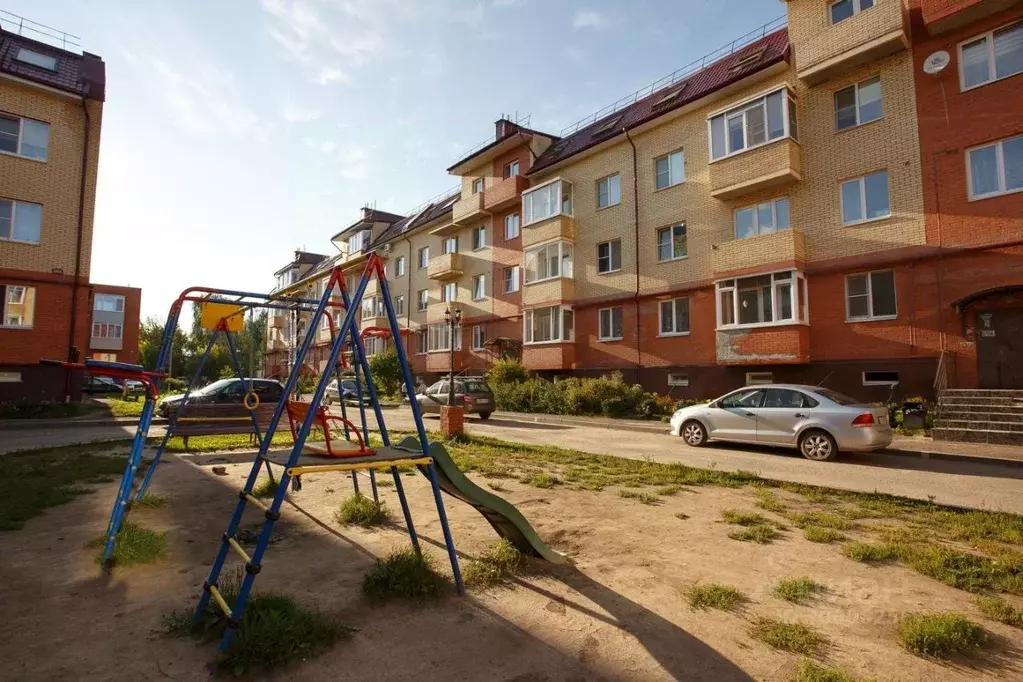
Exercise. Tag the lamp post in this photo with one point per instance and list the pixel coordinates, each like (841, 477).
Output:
(453, 318)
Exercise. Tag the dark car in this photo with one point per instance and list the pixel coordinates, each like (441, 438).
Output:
(472, 394)
(349, 392)
(99, 385)
(226, 392)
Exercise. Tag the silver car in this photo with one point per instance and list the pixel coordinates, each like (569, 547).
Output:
(819, 421)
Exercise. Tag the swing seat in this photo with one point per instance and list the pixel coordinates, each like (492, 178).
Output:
(334, 444)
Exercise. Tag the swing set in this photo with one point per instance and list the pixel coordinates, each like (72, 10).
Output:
(348, 455)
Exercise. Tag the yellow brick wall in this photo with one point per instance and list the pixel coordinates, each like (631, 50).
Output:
(548, 292)
(815, 39)
(779, 163)
(766, 249)
(558, 227)
(54, 183)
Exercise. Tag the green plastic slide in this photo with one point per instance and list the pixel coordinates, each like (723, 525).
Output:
(504, 517)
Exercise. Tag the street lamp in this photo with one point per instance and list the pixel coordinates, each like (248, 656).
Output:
(453, 318)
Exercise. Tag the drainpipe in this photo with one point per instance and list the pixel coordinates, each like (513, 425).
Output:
(408, 292)
(71, 355)
(635, 220)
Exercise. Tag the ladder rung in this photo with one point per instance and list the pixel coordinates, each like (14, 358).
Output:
(221, 602)
(239, 550)
(361, 466)
(253, 500)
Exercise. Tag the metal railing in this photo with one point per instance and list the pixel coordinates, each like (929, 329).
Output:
(678, 74)
(434, 199)
(12, 23)
(524, 122)
(941, 375)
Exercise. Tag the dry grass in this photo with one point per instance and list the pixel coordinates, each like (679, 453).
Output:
(797, 590)
(796, 638)
(714, 596)
(940, 635)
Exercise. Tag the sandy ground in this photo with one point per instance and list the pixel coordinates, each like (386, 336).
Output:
(616, 614)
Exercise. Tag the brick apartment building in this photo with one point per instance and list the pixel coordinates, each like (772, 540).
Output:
(808, 205)
(51, 110)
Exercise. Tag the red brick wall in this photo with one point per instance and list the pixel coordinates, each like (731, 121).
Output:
(130, 333)
(48, 337)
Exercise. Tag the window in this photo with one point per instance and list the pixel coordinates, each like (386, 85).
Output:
(544, 325)
(10, 377)
(671, 243)
(511, 226)
(19, 303)
(43, 61)
(678, 379)
(424, 299)
(24, 137)
(511, 169)
(373, 306)
(759, 379)
(995, 169)
(778, 298)
(421, 341)
(609, 191)
(103, 330)
(439, 337)
(477, 185)
(449, 292)
(479, 287)
(610, 324)
(994, 55)
(511, 279)
(424, 257)
(548, 262)
(865, 199)
(540, 203)
(20, 221)
(399, 266)
(763, 218)
(870, 296)
(450, 245)
(479, 237)
(111, 303)
(752, 124)
(858, 104)
(359, 241)
(609, 256)
(399, 305)
(479, 336)
(674, 317)
(669, 170)
(880, 378)
(744, 398)
(843, 9)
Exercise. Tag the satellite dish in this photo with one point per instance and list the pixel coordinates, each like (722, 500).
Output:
(937, 62)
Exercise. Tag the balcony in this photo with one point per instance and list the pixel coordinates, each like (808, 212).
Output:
(784, 248)
(776, 345)
(375, 321)
(549, 356)
(774, 164)
(558, 227)
(942, 16)
(445, 266)
(440, 361)
(504, 193)
(824, 50)
(467, 209)
(551, 291)
(277, 321)
(276, 344)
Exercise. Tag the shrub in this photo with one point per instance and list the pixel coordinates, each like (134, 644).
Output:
(797, 590)
(996, 608)
(386, 371)
(506, 371)
(794, 637)
(359, 510)
(404, 574)
(940, 635)
(171, 385)
(491, 567)
(714, 596)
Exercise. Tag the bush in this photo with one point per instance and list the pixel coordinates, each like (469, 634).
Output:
(506, 371)
(940, 635)
(171, 385)
(386, 371)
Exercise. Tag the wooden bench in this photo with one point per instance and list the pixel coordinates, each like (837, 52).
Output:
(333, 445)
(217, 420)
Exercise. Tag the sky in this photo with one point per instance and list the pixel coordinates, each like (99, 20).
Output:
(236, 131)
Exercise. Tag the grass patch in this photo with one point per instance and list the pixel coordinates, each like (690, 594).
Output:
(540, 480)
(359, 510)
(34, 480)
(940, 635)
(126, 408)
(796, 638)
(761, 534)
(821, 519)
(822, 535)
(809, 670)
(491, 567)
(404, 574)
(264, 488)
(714, 596)
(741, 518)
(668, 490)
(867, 553)
(969, 572)
(275, 630)
(496, 486)
(797, 590)
(768, 501)
(682, 516)
(998, 609)
(135, 544)
(150, 501)
(645, 498)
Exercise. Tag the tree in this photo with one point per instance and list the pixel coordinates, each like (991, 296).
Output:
(386, 371)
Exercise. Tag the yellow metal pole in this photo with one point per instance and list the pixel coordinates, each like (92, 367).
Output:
(385, 464)
(221, 602)
(238, 549)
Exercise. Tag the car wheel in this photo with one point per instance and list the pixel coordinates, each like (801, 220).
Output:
(484, 415)
(818, 445)
(693, 433)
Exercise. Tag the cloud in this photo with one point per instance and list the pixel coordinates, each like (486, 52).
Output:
(354, 163)
(509, 3)
(574, 54)
(330, 74)
(297, 114)
(590, 19)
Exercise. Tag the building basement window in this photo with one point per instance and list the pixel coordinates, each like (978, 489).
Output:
(880, 378)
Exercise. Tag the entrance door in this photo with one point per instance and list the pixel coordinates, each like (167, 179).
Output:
(1000, 348)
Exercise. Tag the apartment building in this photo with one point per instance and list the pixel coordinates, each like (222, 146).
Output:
(51, 110)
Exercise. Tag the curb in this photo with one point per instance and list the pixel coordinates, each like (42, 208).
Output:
(949, 457)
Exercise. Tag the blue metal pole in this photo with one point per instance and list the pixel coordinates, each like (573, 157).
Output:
(121, 504)
(365, 429)
(241, 377)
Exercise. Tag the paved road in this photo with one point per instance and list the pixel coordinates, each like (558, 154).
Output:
(966, 484)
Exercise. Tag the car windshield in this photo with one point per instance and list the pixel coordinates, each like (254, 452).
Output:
(475, 387)
(836, 397)
(215, 387)
(348, 385)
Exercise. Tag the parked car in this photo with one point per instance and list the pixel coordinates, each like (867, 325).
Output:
(225, 392)
(98, 385)
(818, 421)
(472, 394)
(349, 392)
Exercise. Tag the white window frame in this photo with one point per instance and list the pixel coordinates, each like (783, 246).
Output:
(856, 10)
(21, 137)
(989, 39)
(518, 228)
(399, 267)
(674, 316)
(107, 330)
(14, 219)
(871, 317)
(8, 288)
(672, 182)
(856, 99)
(479, 336)
(477, 186)
(610, 256)
(527, 198)
(438, 338)
(609, 335)
(10, 377)
(373, 306)
(788, 103)
(800, 305)
(423, 302)
(424, 257)
(399, 305)
(558, 334)
(117, 299)
(678, 379)
(862, 180)
(511, 169)
(422, 340)
(449, 243)
(999, 162)
(756, 218)
(671, 228)
(871, 382)
(516, 280)
(444, 295)
(479, 287)
(566, 256)
(606, 180)
(759, 378)
(479, 237)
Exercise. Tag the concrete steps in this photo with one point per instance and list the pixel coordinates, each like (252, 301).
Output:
(980, 416)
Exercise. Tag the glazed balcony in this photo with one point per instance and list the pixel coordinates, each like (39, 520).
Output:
(550, 291)
(504, 193)
(445, 267)
(774, 164)
(824, 50)
(277, 321)
(468, 209)
(942, 16)
(550, 356)
(773, 345)
(784, 248)
(556, 227)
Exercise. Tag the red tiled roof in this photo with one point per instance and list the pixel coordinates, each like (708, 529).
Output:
(718, 75)
(78, 74)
